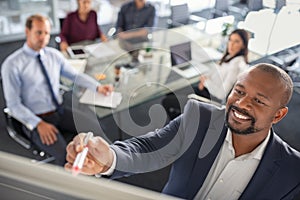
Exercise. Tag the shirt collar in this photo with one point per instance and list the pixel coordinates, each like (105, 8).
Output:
(32, 52)
(257, 153)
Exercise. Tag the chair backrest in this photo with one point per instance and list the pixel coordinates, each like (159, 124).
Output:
(279, 4)
(221, 5)
(255, 5)
(14, 129)
(61, 21)
(180, 14)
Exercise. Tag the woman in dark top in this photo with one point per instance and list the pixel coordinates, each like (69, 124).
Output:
(80, 25)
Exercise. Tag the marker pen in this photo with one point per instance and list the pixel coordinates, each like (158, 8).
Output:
(79, 160)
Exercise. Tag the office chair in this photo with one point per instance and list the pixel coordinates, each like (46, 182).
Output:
(14, 129)
(286, 59)
(222, 8)
(279, 4)
(294, 71)
(254, 5)
(180, 15)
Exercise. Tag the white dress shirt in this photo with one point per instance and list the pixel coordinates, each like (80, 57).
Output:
(229, 176)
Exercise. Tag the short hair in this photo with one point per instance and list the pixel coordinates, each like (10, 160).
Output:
(37, 17)
(282, 76)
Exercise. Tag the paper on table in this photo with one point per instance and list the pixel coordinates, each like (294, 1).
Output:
(100, 50)
(78, 64)
(212, 53)
(93, 98)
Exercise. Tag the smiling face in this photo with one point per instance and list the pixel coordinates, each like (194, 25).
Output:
(255, 103)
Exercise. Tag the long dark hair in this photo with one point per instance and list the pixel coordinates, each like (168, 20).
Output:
(243, 52)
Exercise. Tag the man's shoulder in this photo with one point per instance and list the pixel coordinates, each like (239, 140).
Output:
(127, 5)
(149, 5)
(196, 110)
(288, 153)
(14, 56)
(193, 103)
(53, 53)
(52, 50)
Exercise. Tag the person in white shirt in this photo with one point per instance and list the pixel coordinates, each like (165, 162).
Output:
(217, 84)
(233, 62)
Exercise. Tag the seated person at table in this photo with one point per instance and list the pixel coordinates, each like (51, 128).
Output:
(80, 25)
(31, 79)
(233, 62)
(133, 23)
(216, 153)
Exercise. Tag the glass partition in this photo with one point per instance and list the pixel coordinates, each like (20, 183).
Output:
(13, 15)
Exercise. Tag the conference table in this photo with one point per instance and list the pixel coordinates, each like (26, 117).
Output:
(145, 85)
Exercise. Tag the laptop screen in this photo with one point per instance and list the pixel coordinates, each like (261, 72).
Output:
(181, 53)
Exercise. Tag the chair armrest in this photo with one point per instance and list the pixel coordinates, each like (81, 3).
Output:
(12, 132)
(197, 18)
(276, 60)
(40, 156)
(9, 115)
(64, 88)
(241, 11)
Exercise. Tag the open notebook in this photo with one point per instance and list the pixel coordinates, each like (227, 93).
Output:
(97, 99)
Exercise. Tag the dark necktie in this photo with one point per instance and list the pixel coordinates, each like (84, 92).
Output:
(57, 105)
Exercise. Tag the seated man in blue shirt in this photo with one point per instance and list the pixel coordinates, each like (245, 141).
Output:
(134, 20)
(33, 96)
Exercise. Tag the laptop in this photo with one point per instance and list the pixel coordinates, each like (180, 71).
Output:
(181, 60)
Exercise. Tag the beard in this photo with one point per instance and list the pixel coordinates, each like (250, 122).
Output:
(249, 130)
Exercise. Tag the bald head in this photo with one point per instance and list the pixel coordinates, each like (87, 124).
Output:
(281, 77)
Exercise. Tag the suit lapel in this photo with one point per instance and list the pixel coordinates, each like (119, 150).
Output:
(265, 170)
(208, 151)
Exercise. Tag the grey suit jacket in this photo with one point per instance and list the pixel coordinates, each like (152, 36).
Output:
(191, 143)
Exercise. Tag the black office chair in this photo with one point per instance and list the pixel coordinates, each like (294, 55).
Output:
(180, 15)
(14, 130)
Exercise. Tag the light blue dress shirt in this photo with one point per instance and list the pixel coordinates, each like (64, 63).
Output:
(25, 87)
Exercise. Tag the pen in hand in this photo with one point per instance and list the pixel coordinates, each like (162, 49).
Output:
(79, 160)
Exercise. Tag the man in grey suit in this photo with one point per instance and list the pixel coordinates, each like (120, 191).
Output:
(216, 153)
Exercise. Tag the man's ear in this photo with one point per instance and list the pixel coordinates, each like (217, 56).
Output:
(280, 114)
